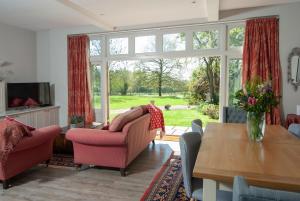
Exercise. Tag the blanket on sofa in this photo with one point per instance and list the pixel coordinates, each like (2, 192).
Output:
(11, 133)
(156, 118)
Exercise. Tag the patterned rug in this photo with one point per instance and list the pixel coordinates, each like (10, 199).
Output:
(167, 185)
(62, 160)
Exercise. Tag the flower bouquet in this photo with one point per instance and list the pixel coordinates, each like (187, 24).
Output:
(256, 98)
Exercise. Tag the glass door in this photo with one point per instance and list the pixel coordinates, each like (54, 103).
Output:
(99, 91)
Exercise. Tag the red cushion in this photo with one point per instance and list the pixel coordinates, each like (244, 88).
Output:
(119, 121)
(18, 122)
(30, 102)
(16, 102)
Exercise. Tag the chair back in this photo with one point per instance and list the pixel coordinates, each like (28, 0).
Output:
(243, 192)
(234, 115)
(189, 147)
(294, 129)
(197, 126)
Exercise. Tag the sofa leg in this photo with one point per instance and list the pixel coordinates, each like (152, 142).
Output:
(47, 162)
(5, 184)
(123, 172)
(153, 141)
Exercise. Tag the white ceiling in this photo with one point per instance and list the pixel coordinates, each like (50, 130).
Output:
(47, 14)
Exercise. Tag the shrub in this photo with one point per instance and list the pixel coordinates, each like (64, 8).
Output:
(209, 109)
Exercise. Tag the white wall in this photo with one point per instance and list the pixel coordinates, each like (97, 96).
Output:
(52, 63)
(18, 47)
(52, 53)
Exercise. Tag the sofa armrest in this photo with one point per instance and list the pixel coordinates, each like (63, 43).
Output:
(96, 137)
(39, 136)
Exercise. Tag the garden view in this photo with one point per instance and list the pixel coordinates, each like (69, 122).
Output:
(184, 88)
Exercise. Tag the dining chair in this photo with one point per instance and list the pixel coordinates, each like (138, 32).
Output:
(234, 115)
(189, 146)
(295, 130)
(197, 126)
(243, 192)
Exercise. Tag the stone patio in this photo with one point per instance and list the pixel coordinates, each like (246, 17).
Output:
(177, 130)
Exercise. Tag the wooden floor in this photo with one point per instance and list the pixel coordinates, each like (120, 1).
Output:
(67, 184)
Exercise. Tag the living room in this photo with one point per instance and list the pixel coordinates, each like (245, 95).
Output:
(176, 67)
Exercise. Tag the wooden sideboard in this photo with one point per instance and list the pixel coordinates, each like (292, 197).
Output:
(37, 117)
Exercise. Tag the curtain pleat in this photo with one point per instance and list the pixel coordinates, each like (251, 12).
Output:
(261, 57)
(79, 87)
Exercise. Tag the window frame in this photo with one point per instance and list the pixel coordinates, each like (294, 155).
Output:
(223, 49)
(208, 28)
(143, 35)
(102, 44)
(116, 37)
(237, 50)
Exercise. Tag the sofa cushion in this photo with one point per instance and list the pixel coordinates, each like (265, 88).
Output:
(121, 120)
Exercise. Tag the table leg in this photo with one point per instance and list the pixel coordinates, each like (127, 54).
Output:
(209, 190)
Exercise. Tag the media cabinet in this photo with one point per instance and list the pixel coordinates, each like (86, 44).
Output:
(37, 117)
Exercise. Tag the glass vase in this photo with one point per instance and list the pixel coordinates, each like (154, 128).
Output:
(256, 125)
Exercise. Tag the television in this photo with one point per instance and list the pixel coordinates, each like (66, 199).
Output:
(23, 95)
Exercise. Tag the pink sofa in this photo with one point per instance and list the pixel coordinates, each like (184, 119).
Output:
(112, 149)
(29, 151)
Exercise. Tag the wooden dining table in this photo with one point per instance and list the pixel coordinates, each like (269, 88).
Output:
(226, 152)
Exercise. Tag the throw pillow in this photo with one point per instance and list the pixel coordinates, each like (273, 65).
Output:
(121, 120)
(30, 102)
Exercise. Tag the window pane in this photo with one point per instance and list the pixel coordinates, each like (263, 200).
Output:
(206, 39)
(236, 36)
(144, 44)
(118, 46)
(95, 47)
(96, 85)
(174, 42)
(235, 79)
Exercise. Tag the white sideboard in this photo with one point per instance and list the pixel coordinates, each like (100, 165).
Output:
(37, 117)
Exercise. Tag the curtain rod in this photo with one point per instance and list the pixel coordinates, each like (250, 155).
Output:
(175, 26)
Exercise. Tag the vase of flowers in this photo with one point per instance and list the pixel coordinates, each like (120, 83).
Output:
(256, 98)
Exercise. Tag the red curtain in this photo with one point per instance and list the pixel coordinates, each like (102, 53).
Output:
(79, 89)
(261, 57)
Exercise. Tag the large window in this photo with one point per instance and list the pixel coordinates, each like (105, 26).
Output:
(145, 44)
(235, 78)
(118, 46)
(95, 47)
(236, 36)
(206, 40)
(156, 63)
(174, 42)
(96, 85)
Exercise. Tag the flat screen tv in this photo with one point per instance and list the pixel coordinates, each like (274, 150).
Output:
(28, 95)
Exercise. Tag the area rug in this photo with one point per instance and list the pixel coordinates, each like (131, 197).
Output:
(62, 160)
(167, 185)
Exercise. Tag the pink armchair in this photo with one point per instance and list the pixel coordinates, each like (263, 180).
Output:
(29, 152)
(112, 149)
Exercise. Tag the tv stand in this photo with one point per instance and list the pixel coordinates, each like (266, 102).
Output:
(37, 117)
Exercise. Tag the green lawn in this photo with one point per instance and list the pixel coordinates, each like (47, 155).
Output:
(181, 117)
(185, 117)
(172, 117)
(125, 102)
